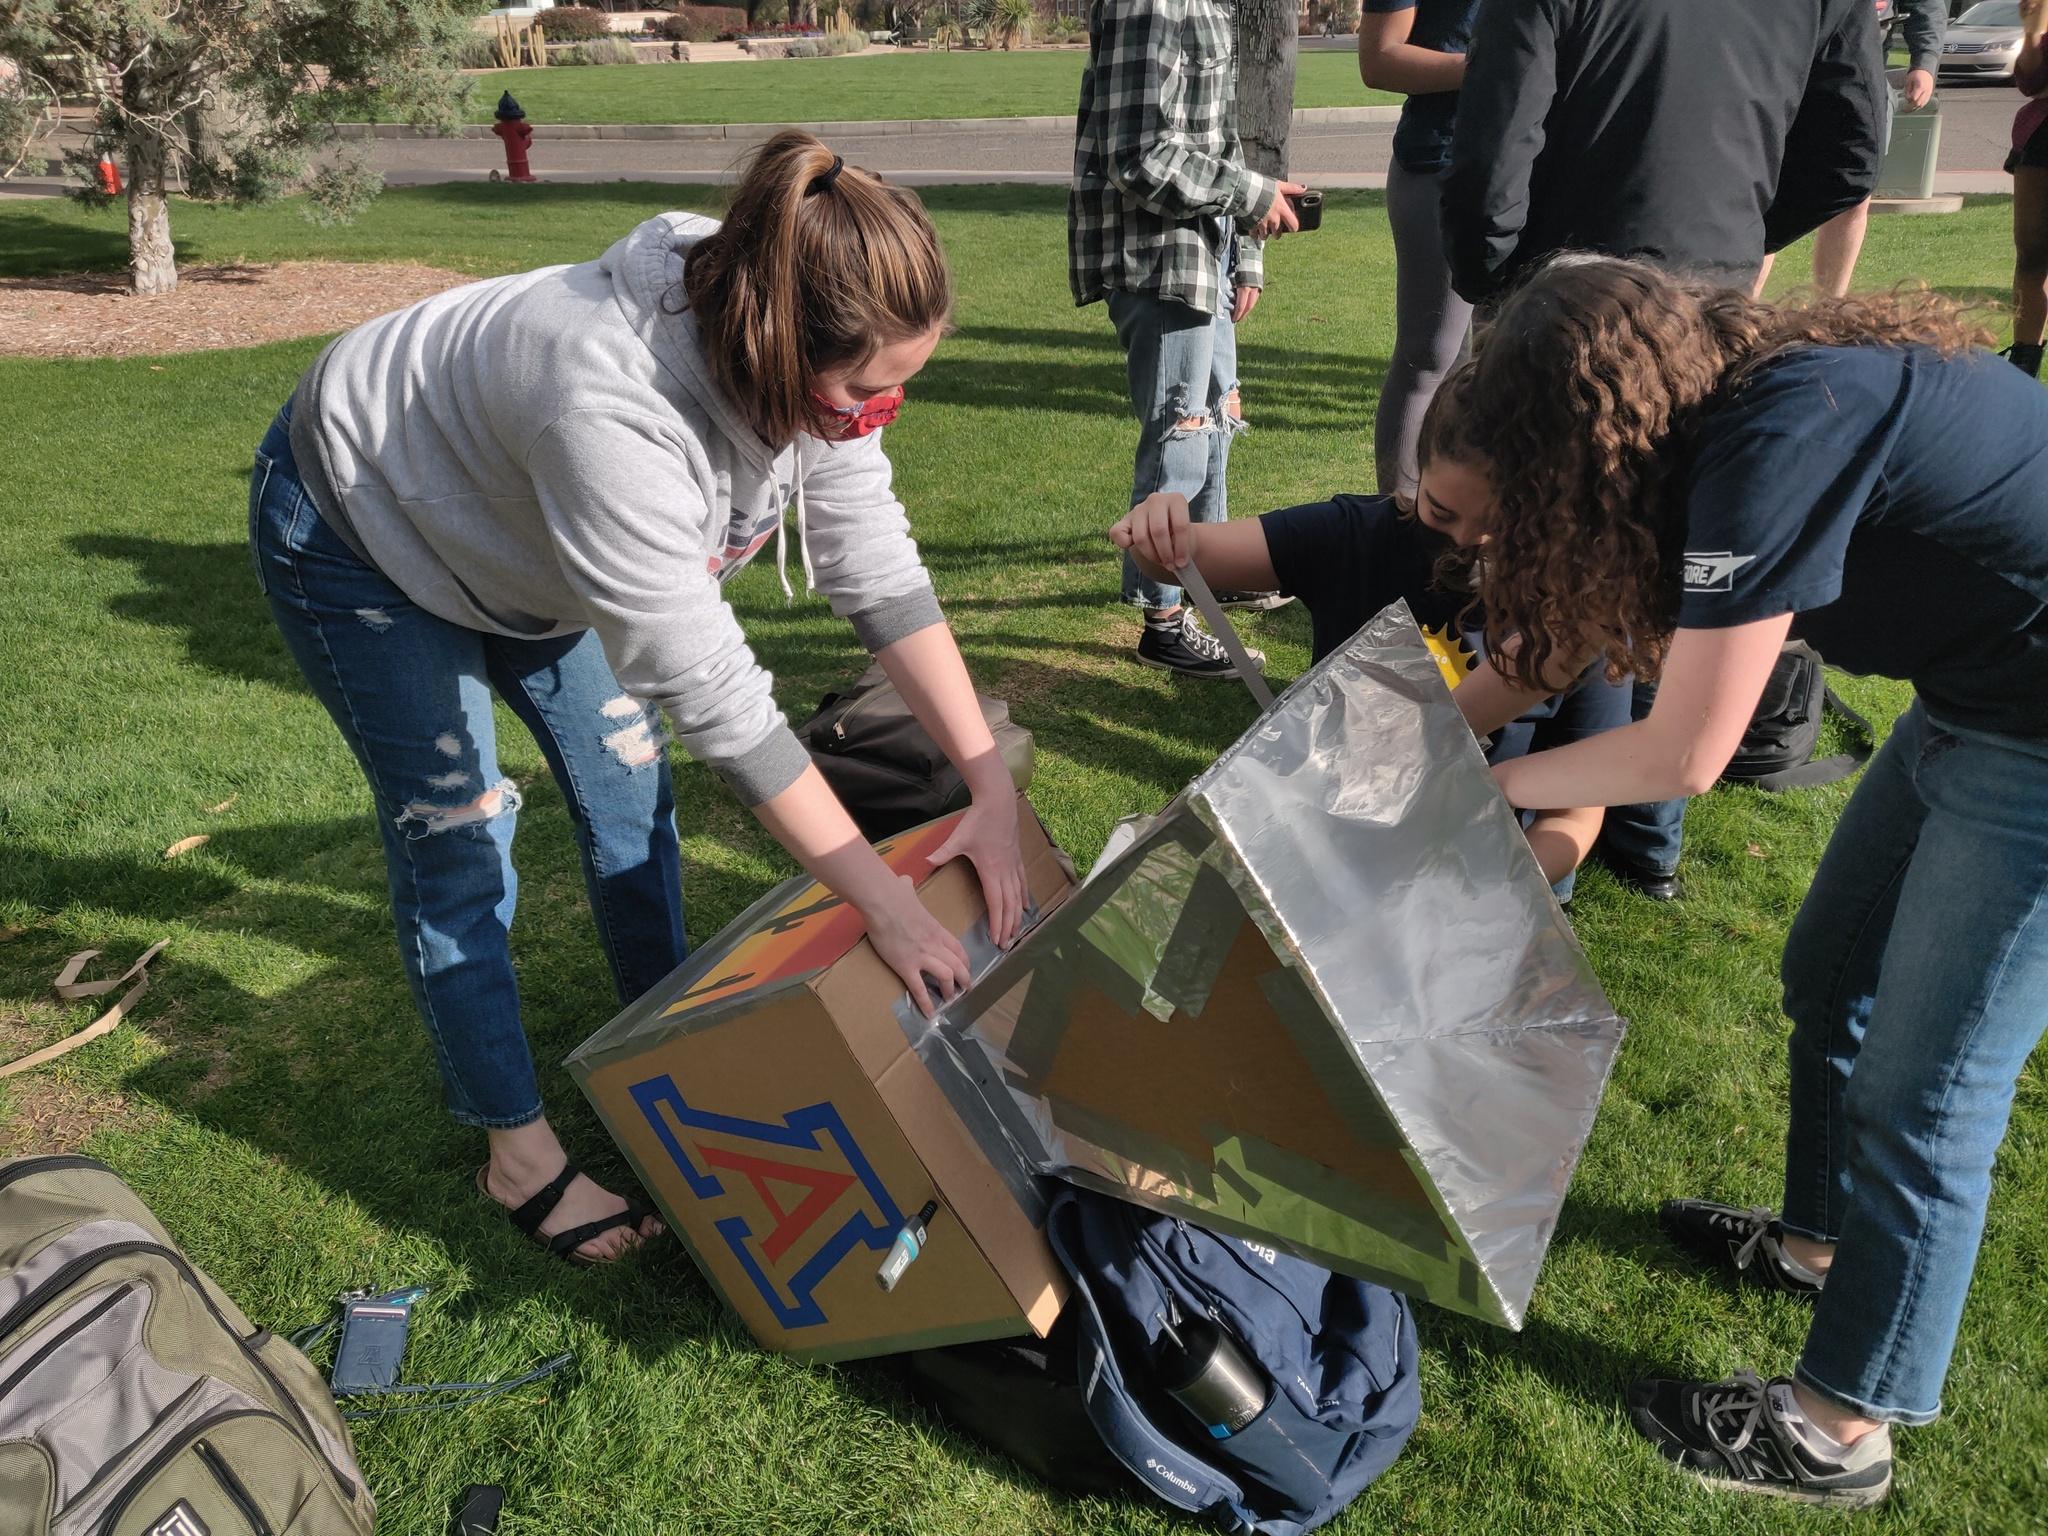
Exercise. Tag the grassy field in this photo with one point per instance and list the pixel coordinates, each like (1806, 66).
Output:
(275, 1100)
(852, 89)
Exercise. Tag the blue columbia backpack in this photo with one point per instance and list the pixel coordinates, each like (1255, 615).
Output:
(1086, 1409)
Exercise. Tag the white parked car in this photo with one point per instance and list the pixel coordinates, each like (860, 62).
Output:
(1983, 43)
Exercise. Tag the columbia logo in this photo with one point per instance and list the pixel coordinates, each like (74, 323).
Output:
(1260, 1251)
(1158, 1468)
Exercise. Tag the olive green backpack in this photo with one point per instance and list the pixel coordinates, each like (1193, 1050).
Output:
(135, 1398)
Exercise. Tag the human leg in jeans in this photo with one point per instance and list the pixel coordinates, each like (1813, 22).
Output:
(1431, 324)
(1641, 843)
(1916, 977)
(411, 694)
(1181, 365)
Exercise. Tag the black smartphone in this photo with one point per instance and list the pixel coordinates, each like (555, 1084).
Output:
(373, 1330)
(1308, 208)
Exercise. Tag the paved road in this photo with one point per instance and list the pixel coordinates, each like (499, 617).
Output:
(1975, 127)
(1975, 135)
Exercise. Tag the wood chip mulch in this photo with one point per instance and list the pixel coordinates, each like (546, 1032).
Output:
(94, 315)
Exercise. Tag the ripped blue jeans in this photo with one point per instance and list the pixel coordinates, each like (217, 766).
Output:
(1182, 368)
(411, 694)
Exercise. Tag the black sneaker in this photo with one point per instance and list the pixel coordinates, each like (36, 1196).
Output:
(1748, 1243)
(1257, 602)
(1748, 1436)
(2025, 357)
(1179, 644)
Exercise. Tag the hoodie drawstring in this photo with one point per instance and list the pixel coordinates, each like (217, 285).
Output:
(803, 543)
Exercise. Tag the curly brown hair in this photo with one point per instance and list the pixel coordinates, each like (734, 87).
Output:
(1578, 403)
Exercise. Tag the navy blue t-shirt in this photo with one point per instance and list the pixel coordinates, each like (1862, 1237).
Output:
(1349, 557)
(1896, 501)
(1422, 139)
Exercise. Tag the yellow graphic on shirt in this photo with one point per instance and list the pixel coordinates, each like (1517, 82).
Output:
(1454, 657)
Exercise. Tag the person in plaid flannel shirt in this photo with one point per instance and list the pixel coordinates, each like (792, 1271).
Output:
(1165, 223)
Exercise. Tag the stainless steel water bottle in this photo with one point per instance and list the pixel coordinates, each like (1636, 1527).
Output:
(1208, 1373)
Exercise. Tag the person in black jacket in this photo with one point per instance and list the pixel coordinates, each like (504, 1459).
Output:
(1837, 243)
(1696, 137)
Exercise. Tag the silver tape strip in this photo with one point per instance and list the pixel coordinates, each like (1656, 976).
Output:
(1192, 582)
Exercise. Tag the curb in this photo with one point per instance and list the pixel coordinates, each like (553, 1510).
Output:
(1951, 202)
(756, 132)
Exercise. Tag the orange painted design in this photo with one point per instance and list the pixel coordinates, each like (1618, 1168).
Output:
(810, 930)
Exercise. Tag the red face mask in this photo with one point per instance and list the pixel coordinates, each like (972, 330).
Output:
(859, 420)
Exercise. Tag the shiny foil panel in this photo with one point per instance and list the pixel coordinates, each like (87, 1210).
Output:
(1324, 1000)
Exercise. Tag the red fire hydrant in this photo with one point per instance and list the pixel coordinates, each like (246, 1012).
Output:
(513, 128)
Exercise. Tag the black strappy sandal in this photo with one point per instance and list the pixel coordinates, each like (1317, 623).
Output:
(563, 1245)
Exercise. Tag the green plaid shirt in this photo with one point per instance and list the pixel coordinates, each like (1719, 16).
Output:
(1160, 186)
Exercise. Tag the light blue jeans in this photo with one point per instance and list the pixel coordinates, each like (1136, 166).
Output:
(411, 694)
(1182, 365)
(1916, 977)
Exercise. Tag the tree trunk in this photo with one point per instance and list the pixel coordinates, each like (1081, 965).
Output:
(1266, 31)
(150, 256)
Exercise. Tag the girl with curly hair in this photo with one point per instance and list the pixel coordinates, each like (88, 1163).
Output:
(1675, 479)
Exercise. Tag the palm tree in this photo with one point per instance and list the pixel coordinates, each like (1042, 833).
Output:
(1010, 22)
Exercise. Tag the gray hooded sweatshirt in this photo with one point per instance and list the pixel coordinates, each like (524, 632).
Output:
(545, 453)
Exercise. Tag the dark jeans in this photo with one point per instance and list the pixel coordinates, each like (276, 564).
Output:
(411, 694)
(1647, 836)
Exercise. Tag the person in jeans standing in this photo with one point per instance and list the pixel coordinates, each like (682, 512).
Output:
(535, 487)
(1678, 478)
(1418, 47)
(1165, 224)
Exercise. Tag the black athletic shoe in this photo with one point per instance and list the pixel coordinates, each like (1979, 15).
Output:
(1745, 1436)
(1747, 1243)
(1179, 644)
(2025, 357)
(1257, 602)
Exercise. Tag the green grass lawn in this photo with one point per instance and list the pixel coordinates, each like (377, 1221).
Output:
(275, 1100)
(1042, 83)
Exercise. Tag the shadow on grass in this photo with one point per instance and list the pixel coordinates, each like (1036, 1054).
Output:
(208, 593)
(333, 1076)
(1082, 373)
(39, 246)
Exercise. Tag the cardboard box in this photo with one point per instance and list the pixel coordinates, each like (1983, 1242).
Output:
(1325, 1001)
(769, 1097)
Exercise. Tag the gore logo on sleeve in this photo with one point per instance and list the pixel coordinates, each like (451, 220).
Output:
(1713, 572)
(179, 1520)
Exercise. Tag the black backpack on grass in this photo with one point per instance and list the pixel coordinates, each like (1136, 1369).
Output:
(1777, 750)
(886, 769)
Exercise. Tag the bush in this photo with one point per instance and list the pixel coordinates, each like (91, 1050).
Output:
(702, 23)
(603, 50)
(574, 24)
(476, 51)
(833, 44)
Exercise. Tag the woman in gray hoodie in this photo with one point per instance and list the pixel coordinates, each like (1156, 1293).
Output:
(534, 487)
